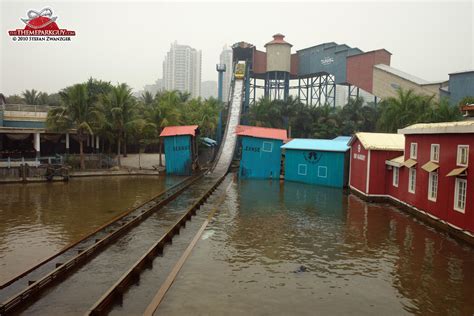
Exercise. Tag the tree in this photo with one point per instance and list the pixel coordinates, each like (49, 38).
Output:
(15, 99)
(398, 112)
(146, 98)
(163, 112)
(118, 115)
(31, 96)
(77, 112)
(325, 122)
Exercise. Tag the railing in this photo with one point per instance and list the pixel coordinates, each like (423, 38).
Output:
(34, 162)
(26, 107)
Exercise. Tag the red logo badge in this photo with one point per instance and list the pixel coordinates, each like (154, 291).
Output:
(41, 26)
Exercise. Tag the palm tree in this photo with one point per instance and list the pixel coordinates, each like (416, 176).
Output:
(400, 111)
(31, 96)
(118, 114)
(146, 98)
(77, 113)
(163, 112)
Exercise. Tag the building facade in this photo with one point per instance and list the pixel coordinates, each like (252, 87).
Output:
(428, 174)
(226, 59)
(182, 69)
(261, 152)
(180, 149)
(317, 161)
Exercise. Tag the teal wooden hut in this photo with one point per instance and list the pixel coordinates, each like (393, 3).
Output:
(317, 161)
(261, 152)
(180, 149)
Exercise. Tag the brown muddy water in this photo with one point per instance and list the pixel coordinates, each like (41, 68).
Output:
(296, 249)
(39, 219)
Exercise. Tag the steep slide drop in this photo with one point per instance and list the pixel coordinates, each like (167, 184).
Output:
(227, 148)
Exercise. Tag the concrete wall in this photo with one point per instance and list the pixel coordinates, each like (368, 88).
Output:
(385, 85)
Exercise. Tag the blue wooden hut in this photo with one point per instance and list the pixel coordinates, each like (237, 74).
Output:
(317, 161)
(180, 149)
(261, 152)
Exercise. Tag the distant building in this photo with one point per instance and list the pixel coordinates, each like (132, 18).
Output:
(209, 89)
(226, 59)
(460, 85)
(182, 69)
(154, 88)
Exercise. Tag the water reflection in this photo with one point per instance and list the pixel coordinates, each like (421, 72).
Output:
(36, 220)
(372, 251)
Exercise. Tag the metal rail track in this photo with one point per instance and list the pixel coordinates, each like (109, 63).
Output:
(116, 291)
(97, 230)
(63, 269)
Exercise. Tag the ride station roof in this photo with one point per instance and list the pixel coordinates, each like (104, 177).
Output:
(179, 130)
(317, 144)
(261, 132)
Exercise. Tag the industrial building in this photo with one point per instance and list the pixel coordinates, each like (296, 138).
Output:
(261, 152)
(315, 75)
(317, 161)
(180, 149)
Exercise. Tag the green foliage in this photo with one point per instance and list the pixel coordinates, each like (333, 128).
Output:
(466, 100)
(15, 99)
(327, 122)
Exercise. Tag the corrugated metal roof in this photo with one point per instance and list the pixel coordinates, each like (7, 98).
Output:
(261, 132)
(342, 139)
(179, 130)
(404, 75)
(380, 141)
(439, 128)
(316, 144)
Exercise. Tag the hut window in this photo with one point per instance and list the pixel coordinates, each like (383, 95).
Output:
(434, 156)
(413, 150)
(396, 175)
(463, 155)
(267, 146)
(411, 180)
(460, 195)
(433, 186)
(322, 172)
(302, 169)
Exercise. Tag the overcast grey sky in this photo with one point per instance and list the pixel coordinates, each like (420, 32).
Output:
(126, 41)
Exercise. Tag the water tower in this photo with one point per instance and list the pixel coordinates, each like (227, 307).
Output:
(277, 77)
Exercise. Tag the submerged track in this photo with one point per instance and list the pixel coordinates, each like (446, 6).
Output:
(91, 274)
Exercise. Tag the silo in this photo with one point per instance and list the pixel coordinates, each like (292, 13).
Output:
(277, 77)
(278, 54)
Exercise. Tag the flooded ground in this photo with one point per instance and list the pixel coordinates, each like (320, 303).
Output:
(288, 249)
(37, 220)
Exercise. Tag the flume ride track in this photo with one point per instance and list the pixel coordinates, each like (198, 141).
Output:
(68, 277)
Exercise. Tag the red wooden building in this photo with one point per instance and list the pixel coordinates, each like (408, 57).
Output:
(369, 151)
(429, 173)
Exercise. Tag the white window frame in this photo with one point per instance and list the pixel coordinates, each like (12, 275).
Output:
(396, 176)
(412, 180)
(413, 150)
(458, 156)
(305, 169)
(460, 194)
(271, 147)
(433, 186)
(322, 168)
(432, 153)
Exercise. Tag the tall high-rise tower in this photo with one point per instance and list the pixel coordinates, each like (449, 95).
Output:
(182, 69)
(226, 59)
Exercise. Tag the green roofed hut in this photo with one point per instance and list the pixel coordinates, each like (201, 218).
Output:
(317, 161)
(261, 152)
(180, 149)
